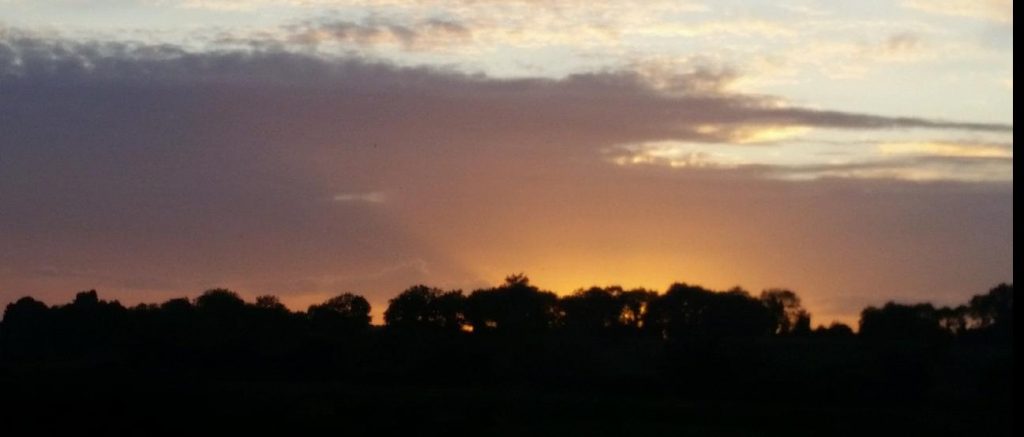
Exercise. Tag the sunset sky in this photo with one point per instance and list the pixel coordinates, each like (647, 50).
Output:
(855, 152)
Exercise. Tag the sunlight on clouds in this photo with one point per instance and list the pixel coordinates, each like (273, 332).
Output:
(672, 154)
(947, 149)
(753, 134)
(725, 156)
(768, 134)
(815, 159)
(685, 75)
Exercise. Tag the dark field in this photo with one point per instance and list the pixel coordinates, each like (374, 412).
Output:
(126, 405)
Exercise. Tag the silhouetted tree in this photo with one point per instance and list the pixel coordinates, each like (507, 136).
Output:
(172, 328)
(178, 305)
(634, 307)
(26, 312)
(835, 329)
(592, 310)
(220, 301)
(273, 330)
(994, 310)
(270, 303)
(789, 316)
(901, 323)
(86, 299)
(222, 326)
(89, 324)
(516, 306)
(343, 313)
(26, 329)
(954, 320)
(422, 307)
(692, 312)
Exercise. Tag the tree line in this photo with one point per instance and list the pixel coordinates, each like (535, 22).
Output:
(699, 340)
(688, 342)
(515, 307)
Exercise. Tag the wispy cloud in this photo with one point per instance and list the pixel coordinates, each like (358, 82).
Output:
(921, 169)
(917, 161)
(936, 148)
(371, 197)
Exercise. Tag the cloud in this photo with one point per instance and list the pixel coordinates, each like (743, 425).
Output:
(937, 148)
(901, 44)
(805, 160)
(670, 154)
(477, 26)
(735, 27)
(685, 75)
(425, 34)
(627, 100)
(920, 169)
(842, 59)
(1000, 11)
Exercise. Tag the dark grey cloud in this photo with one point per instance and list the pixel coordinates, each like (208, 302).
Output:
(620, 98)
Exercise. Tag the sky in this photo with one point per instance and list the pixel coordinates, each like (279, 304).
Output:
(854, 152)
